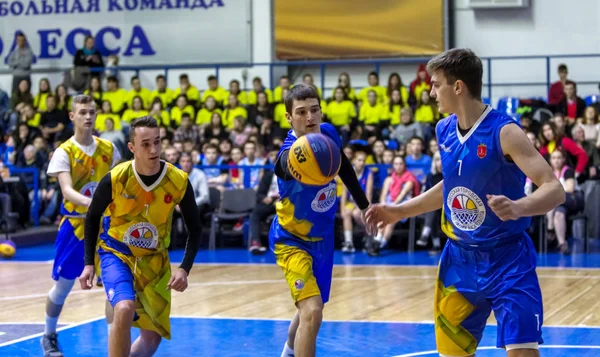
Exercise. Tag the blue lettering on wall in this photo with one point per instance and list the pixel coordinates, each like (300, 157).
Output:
(139, 40)
(48, 44)
(70, 41)
(101, 45)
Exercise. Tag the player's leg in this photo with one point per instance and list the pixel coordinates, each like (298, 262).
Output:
(146, 344)
(68, 265)
(288, 350)
(516, 298)
(348, 245)
(460, 311)
(118, 284)
(297, 265)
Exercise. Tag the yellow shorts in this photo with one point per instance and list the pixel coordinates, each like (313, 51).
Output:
(350, 206)
(143, 280)
(305, 275)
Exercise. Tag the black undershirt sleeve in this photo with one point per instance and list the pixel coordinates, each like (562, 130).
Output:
(102, 198)
(346, 173)
(348, 176)
(191, 217)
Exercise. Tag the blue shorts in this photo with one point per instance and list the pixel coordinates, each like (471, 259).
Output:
(307, 266)
(68, 262)
(117, 278)
(473, 281)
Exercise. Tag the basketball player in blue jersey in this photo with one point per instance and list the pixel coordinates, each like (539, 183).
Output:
(302, 233)
(489, 262)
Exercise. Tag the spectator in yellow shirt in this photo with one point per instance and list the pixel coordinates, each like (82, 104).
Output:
(427, 114)
(371, 114)
(158, 112)
(204, 115)
(39, 101)
(181, 106)
(284, 83)
(308, 80)
(107, 112)
(344, 82)
(340, 113)
(63, 99)
(257, 87)
(380, 91)
(138, 91)
(95, 90)
(186, 88)
(234, 88)
(135, 111)
(233, 110)
(395, 83)
(279, 114)
(116, 96)
(215, 91)
(165, 94)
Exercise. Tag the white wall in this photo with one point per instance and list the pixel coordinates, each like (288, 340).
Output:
(547, 27)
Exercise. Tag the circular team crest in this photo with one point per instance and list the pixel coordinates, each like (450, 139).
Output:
(141, 235)
(88, 189)
(324, 199)
(299, 284)
(467, 209)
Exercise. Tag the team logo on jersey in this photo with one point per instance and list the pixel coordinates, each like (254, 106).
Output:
(481, 151)
(104, 158)
(467, 209)
(445, 149)
(325, 199)
(111, 294)
(141, 235)
(88, 189)
(299, 284)
(168, 198)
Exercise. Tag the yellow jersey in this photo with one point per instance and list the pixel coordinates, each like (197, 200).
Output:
(138, 221)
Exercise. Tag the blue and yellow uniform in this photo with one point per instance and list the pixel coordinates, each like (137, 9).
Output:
(488, 264)
(134, 240)
(86, 171)
(302, 233)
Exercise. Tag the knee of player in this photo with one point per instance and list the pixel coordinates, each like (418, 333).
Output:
(311, 312)
(152, 339)
(124, 309)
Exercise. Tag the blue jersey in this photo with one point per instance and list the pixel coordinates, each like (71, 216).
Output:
(474, 166)
(362, 180)
(304, 211)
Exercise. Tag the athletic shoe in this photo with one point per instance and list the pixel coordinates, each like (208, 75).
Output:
(348, 247)
(50, 346)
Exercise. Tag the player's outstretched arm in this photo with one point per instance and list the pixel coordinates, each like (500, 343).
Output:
(383, 214)
(189, 211)
(102, 198)
(66, 186)
(550, 192)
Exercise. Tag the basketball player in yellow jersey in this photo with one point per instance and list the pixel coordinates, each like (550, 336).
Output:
(79, 164)
(137, 199)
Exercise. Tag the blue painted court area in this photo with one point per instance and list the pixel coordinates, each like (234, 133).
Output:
(241, 256)
(250, 338)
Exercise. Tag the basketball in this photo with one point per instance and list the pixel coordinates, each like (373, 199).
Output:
(314, 159)
(7, 249)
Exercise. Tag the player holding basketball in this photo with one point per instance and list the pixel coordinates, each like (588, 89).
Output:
(489, 262)
(79, 163)
(139, 197)
(301, 234)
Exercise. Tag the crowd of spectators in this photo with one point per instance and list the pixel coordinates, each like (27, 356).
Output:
(390, 125)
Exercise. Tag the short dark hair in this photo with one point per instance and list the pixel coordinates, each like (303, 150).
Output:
(212, 77)
(211, 146)
(417, 138)
(571, 83)
(141, 122)
(300, 92)
(81, 99)
(160, 76)
(373, 73)
(183, 76)
(133, 78)
(112, 79)
(186, 115)
(562, 68)
(460, 64)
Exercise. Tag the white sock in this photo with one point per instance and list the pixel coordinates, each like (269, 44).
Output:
(436, 242)
(383, 243)
(287, 351)
(108, 327)
(379, 237)
(348, 237)
(426, 232)
(51, 323)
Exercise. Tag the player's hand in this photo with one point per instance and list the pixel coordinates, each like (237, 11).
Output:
(178, 281)
(505, 208)
(370, 227)
(380, 215)
(86, 279)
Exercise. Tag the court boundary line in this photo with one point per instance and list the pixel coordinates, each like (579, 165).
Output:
(29, 337)
(484, 348)
(426, 322)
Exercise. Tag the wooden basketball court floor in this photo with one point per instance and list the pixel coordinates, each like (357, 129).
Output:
(239, 305)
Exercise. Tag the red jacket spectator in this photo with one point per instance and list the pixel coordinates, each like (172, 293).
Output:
(557, 90)
(576, 156)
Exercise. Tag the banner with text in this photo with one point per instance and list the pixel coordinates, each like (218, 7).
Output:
(317, 29)
(140, 32)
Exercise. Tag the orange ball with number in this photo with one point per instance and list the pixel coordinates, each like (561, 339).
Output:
(314, 159)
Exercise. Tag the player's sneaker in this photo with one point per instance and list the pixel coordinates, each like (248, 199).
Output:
(50, 346)
(348, 247)
(255, 248)
(374, 249)
(422, 242)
